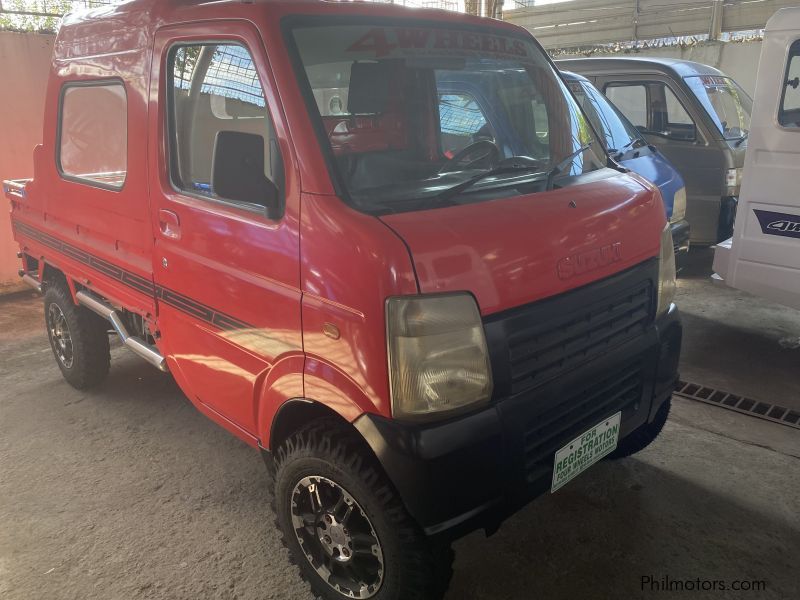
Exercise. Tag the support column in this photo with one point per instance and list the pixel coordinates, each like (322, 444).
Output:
(715, 29)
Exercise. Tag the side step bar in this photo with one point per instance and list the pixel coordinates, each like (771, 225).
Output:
(31, 280)
(135, 344)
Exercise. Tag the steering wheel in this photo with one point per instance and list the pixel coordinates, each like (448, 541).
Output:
(476, 152)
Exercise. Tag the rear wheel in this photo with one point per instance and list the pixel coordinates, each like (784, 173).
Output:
(345, 525)
(642, 437)
(78, 337)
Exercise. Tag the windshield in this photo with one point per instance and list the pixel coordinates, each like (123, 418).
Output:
(725, 101)
(618, 132)
(412, 112)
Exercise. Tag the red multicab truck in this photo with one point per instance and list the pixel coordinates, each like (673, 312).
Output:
(423, 316)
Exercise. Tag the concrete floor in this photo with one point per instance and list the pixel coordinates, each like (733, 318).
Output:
(127, 492)
(737, 342)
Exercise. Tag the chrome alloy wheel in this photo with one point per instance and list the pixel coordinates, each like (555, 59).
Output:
(59, 335)
(337, 537)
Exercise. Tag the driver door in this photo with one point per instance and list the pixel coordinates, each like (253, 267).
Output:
(664, 116)
(226, 269)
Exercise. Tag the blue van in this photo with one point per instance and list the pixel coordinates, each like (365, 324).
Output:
(626, 145)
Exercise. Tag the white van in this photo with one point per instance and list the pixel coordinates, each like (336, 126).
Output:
(763, 256)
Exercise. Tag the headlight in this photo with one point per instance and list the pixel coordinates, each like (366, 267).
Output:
(678, 206)
(438, 361)
(733, 179)
(666, 273)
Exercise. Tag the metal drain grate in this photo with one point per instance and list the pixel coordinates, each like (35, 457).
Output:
(742, 404)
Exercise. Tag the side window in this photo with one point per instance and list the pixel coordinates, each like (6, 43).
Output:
(216, 101)
(789, 115)
(676, 114)
(631, 100)
(668, 116)
(93, 134)
(653, 108)
(461, 121)
(541, 121)
(590, 107)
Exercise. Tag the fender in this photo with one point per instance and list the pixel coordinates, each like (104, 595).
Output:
(321, 384)
(332, 387)
(283, 383)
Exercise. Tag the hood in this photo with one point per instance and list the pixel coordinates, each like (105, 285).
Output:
(513, 251)
(654, 167)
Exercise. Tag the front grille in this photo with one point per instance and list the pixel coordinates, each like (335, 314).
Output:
(543, 342)
(549, 431)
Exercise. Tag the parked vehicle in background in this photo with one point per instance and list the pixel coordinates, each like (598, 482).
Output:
(763, 256)
(697, 116)
(624, 144)
(420, 328)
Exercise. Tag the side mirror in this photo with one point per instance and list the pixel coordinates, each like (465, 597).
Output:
(237, 171)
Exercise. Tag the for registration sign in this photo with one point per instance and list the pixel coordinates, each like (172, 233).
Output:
(585, 450)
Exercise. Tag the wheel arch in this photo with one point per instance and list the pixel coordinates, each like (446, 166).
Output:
(52, 275)
(297, 412)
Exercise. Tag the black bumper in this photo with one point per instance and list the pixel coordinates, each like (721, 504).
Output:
(680, 238)
(727, 217)
(474, 471)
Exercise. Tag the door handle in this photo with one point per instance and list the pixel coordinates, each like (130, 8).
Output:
(169, 223)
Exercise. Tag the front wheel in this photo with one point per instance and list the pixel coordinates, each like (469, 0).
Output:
(345, 525)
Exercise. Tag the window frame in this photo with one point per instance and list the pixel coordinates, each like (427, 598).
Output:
(784, 78)
(171, 132)
(646, 83)
(100, 82)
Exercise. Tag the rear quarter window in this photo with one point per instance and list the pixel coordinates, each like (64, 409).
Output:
(789, 115)
(93, 134)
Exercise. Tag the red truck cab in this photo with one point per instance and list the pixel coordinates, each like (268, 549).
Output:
(422, 323)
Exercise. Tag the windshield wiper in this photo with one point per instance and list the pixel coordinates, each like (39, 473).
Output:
(555, 171)
(502, 169)
(511, 166)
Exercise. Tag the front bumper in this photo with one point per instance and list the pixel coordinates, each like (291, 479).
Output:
(474, 471)
(680, 237)
(727, 217)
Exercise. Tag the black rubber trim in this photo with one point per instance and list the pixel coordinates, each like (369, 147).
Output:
(140, 284)
(680, 236)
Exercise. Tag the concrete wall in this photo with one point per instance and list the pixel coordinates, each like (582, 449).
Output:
(737, 59)
(24, 67)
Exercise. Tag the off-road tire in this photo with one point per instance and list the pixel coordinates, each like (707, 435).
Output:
(88, 334)
(413, 567)
(642, 437)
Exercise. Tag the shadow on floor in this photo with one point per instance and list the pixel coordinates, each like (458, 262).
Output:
(624, 521)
